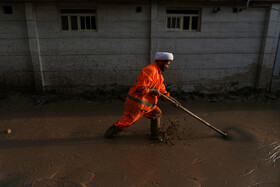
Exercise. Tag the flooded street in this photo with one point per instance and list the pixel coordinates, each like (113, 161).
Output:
(61, 143)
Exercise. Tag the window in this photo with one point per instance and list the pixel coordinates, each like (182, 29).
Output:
(78, 19)
(183, 20)
(7, 9)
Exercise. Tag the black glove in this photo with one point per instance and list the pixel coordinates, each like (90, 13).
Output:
(154, 91)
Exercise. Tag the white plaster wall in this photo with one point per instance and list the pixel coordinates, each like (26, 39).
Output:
(112, 55)
(225, 51)
(269, 51)
(15, 62)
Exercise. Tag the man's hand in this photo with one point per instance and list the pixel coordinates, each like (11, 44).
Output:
(154, 91)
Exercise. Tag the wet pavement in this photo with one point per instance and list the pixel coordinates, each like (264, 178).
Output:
(61, 143)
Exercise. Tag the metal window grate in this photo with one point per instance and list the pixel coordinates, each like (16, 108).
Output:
(183, 20)
(78, 19)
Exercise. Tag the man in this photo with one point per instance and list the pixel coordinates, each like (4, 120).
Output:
(143, 97)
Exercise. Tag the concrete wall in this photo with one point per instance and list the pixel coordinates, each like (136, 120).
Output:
(228, 53)
(275, 56)
(15, 63)
(222, 56)
(113, 55)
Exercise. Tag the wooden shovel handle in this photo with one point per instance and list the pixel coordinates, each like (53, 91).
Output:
(193, 115)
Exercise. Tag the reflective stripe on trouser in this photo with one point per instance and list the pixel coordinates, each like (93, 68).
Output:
(134, 111)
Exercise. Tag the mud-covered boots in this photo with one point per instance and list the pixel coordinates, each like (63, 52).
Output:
(156, 130)
(112, 131)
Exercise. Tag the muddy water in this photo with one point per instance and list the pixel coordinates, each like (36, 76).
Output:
(61, 144)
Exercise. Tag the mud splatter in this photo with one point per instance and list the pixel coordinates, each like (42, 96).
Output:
(171, 133)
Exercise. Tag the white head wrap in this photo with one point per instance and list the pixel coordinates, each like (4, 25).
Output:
(164, 56)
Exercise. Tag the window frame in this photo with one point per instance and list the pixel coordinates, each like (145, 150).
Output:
(181, 16)
(78, 15)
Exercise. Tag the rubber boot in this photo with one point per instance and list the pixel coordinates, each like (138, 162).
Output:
(112, 131)
(156, 131)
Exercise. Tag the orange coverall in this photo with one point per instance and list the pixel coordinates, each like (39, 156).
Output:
(139, 102)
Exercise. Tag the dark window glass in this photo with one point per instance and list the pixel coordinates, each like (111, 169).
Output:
(74, 23)
(93, 22)
(173, 23)
(168, 22)
(139, 9)
(64, 23)
(186, 23)
(7, 9)
(178, 23)
(77, 11)
(88, 22)
(83, 24)
(182, 11)
(194, 23)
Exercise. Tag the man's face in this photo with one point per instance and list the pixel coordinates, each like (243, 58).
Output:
(163, 65)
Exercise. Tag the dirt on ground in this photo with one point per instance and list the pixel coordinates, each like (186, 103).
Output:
(53, 141)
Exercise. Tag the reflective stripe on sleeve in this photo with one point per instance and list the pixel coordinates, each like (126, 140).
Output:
(140, 101)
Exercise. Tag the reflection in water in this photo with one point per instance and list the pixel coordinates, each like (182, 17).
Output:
(274, 152)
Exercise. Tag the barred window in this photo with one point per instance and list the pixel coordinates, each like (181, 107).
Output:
(78, 19)
(183, 20)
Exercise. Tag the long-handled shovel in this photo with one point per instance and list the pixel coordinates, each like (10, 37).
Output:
(195, 116)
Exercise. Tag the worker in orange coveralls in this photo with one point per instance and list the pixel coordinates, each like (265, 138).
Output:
(143, 97)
